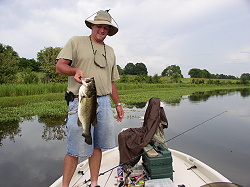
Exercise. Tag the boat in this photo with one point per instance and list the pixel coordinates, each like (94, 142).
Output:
(188, 172)
(157, 166)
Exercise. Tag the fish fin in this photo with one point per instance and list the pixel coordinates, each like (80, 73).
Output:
(79, 123)
(83, 95)
(95, 121)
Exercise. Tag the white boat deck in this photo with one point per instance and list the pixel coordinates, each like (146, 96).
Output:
(202, 175)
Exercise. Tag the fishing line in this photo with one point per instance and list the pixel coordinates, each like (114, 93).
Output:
(175, 136)
(217, 115)
(196, 126)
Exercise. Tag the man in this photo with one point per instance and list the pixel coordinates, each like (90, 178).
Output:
(83, 57)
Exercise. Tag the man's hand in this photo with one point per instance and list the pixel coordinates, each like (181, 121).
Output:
(120, 113)
(64, 68)
(78, 76)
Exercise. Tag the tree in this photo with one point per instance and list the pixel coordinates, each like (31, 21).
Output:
(195, 73)
(31, 64)
(244, 78)
(231, 77)
(205, 74)
(120, 70)
(29, 77)
(175, 77)
(129, 69)
(8, 62)
(156, 79)
(213, 76)
(245, 75)
(141, 69)
(47, 59)
(170, 70)
(222, 76)
(135, 69)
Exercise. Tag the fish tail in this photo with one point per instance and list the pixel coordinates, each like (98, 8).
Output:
(88, 138)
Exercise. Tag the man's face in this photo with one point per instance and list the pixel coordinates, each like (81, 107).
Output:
(99, 32)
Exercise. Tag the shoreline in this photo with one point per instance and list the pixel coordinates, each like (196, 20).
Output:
(19, 108)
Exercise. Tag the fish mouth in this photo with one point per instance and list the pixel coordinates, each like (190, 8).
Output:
(87, 81)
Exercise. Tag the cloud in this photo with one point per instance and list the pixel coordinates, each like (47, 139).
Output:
(206, 34)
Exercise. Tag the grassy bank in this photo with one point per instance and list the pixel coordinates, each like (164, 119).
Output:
(167, 92)
(12, 90)
(23, 101)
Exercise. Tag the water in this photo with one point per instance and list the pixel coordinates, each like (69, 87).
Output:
(32, 152)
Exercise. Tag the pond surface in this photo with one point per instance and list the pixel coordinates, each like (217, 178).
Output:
(32, 152)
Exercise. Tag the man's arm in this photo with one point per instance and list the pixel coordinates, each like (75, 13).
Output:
(64, 68)
(115, 98)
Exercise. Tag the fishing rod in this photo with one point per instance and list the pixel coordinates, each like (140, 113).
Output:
(217, 115)
(144, 152)
(196, 126)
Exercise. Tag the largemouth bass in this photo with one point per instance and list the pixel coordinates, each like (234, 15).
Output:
(87, 107)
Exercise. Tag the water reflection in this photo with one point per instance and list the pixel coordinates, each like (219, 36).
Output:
(54, 126)
(204, 96)
(9, 129)
(222, 143)
(245, 92)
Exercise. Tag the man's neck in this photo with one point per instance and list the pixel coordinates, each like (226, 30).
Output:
(99, 42)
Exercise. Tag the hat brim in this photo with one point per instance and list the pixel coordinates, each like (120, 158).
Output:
(112, 31)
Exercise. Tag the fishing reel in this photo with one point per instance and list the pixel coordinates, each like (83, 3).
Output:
(131, 178)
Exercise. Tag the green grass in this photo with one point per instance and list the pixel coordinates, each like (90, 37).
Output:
(167, 92)
(10, 90)
(19, 102)
(23, 107)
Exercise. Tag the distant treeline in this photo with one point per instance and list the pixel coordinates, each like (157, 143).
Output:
(198, 73)
(145, 79)
(175, 71)
(42, 70)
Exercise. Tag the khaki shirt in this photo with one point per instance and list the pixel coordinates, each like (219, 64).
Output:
(79, 50)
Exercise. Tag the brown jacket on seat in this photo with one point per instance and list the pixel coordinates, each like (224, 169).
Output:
(133, 140)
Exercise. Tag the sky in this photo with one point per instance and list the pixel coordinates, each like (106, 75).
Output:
(205, 34)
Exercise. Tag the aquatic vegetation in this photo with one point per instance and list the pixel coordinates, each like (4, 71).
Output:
(19, 101)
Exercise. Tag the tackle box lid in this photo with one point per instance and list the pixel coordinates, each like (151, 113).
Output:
(150, 151)
(166, 182)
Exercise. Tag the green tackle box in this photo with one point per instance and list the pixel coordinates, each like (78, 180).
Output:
(157, 162)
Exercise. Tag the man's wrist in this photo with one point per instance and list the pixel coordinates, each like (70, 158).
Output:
(118, 104)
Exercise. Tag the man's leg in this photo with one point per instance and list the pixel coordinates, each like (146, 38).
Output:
(94, 165)
(70, 163)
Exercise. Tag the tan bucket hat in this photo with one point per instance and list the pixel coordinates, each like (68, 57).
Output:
(103, 17)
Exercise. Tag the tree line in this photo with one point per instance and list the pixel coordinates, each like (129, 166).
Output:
(174, 71)
(22, 70)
